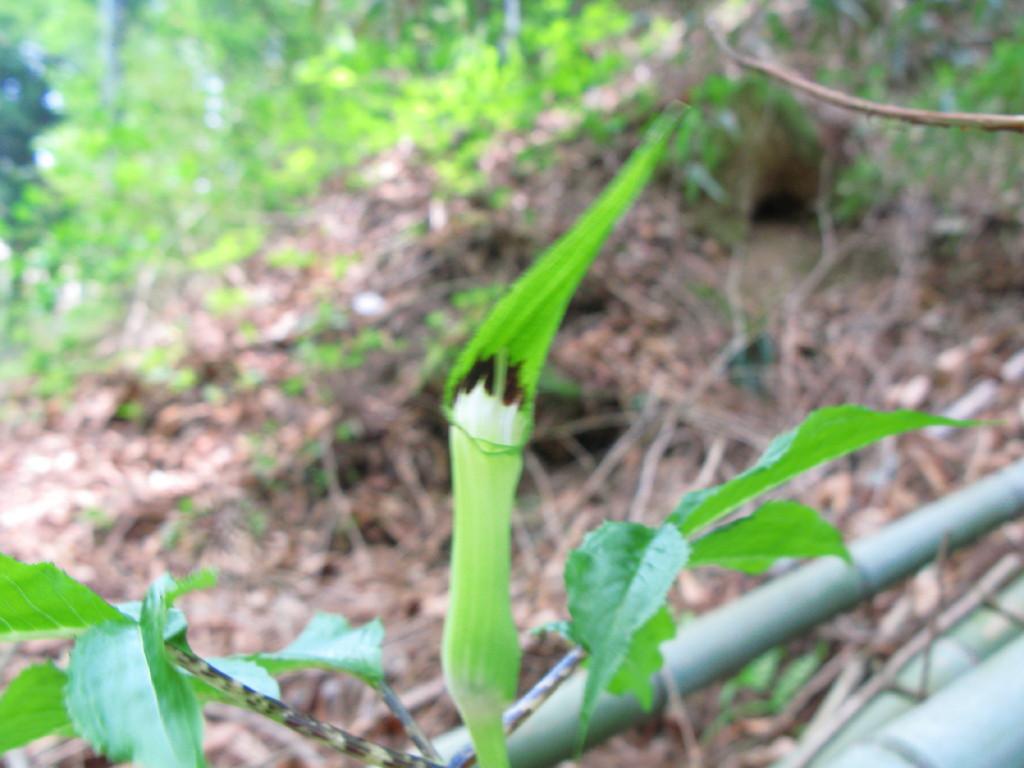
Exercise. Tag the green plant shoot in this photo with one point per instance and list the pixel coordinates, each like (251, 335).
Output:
(489, 401)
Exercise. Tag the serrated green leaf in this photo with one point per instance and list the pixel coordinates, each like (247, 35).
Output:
(328, 642)
(644, 658)
(826, 434)
(126, 698)
(246, 672)
(33, 707)
(523, 323)
(777, 529)
(616, 581)
(40, 600)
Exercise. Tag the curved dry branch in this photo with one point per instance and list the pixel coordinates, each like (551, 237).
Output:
(984, 121)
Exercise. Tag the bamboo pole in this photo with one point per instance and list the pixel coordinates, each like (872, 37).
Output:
(974, 722)
(724, 640)
(952, 655)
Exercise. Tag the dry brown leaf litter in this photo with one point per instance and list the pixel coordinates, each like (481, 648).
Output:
(230, 474)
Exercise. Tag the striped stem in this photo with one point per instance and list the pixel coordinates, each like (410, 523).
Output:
(331, 736)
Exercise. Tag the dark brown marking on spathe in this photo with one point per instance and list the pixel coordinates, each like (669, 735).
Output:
(485, 370)
(482, 370)
(513, 392)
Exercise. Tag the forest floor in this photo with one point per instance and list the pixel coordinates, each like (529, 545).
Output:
(320, 483)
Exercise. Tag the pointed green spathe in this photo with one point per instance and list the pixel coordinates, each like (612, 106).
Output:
(489, 401)
(524, 322)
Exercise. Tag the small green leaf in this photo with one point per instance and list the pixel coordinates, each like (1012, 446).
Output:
(759, 673)
(523, 323)
(129, 705)
(40, 600)
(124, 695)
(33, 707)
(328, 642)
(616, 582)
(246, 672)
(795, 676)
(175, 626)
(644, 658)
(174, 621)
(205, 578)
(826, 434)
(777, 529)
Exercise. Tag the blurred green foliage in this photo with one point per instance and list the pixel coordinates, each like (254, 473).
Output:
(192, 119)
(142, 141)
(932, 54)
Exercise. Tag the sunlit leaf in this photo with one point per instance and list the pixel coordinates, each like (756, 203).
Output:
(826, 434)
(616, 582)
(644, 659)
(777, 529)
(124, 695)
(40, 600)
(328, 642)
(33, 707)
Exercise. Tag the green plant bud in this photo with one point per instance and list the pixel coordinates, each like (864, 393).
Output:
(489, 399)
(481, 648)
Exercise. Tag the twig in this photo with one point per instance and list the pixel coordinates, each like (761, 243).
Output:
(399, 710)
(543, 689)
(982, 120)
(1007, 613)
(331, 736)
(527, 705)
(546, 491)
(340, 504)
(599, 477)
(712, 461)
(676, 710)
(405, 468)
(813, 743)
(821, 679)
(931, 628)
(845, 684)
(652, 458)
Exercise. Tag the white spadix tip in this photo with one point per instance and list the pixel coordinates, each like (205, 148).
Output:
(485, 416)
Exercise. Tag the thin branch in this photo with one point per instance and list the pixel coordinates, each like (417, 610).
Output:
(531, 701)
(331, 736)
(399, 710)
(982, 120)
(931, 628)
(649, 466)
(543, 689)
(339, 502)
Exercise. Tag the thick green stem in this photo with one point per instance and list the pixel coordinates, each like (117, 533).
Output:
(489, 742)
(481, 648)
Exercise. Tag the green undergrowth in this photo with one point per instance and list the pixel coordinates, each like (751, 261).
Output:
(212, 130)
